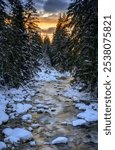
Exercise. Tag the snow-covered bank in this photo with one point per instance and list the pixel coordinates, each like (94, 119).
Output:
(89, 111)
(15, 104)
(13, 98)
(49, 74)
(41, 103)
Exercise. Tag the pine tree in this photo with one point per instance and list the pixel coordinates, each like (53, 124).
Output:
(83, 21)
(36, 45)
(60, 39)
(2, 38)
(2, 14)
(20, 47)
(15, 68)
(47, 50)
(31, 17)
(35, 39)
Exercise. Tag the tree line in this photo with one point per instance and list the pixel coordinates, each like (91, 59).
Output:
(20, 42)
(75, 43)
(74, 46)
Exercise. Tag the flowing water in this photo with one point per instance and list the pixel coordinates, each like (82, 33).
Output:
(58, 123)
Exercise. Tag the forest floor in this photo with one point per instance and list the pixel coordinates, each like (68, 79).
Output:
(56, 117)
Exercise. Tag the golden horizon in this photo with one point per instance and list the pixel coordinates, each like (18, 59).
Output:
(47, 25)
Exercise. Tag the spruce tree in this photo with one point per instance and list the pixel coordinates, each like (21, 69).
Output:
(2, 14)
(16, 69)
(36, 45)
(60, 39)
(20, 47)
(83, 47)
(35, 39)
(47, 50)
(2, 39)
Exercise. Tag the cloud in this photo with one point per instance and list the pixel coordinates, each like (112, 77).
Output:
(55, 5)
(39, 4)
(48, 21)
(50, 5)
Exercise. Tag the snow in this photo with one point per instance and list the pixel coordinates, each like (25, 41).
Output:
(22, 108)
(89, 115)
(3, 117)
(48, 74)
(30, 129)
(78, 122)
(27, 117)
(90, 112)
(35, 125)
(2, 145)
(60, 140)
(37, 101)
(2, 97)
(42, 106)
(81, 106)
(9, 99)
(14, 102)
(17, 94)
(19, 91)
(49, 103)
(16, 97)
(32, 143)
(7, 131)
(12, 115)
(28, 99)
(17, 134)
(73, 93)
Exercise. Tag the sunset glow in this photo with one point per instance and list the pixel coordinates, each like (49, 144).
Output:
(49, 11)
(47, 24)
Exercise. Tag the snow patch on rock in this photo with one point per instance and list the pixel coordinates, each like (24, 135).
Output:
(2, 145)
(81, 106)
(22, 108)
(27, 117)
(89, 115)
(3, 117)
(79, 122)
(60, 140)
(35, 125)
(32, 143)
(17, 134)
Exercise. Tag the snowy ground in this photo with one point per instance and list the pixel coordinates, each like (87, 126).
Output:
(23, 104)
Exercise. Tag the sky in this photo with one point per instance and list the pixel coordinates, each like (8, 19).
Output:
(48, 14)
